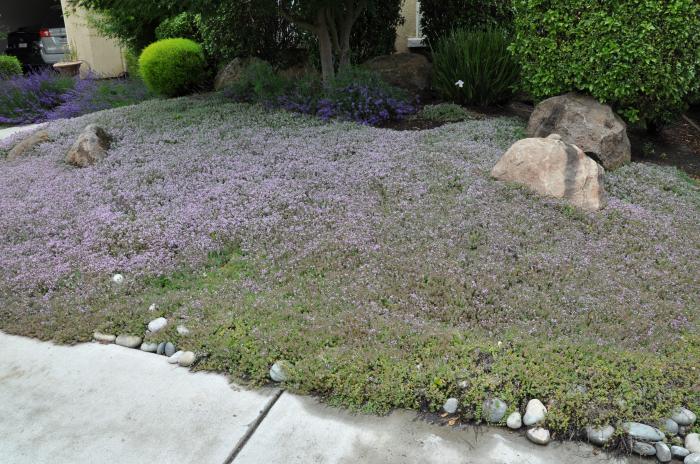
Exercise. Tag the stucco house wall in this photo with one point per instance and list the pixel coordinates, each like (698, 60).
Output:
(409, 35)
(101, 56)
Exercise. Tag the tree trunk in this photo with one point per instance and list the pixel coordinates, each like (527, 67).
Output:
(325, 46)
(344, 52)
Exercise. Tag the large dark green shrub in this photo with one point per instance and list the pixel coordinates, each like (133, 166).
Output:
(9, 66)
(475, 67)
(440, 17)
(184, 26)
(641, 56)
(173, 67)
(374, 33)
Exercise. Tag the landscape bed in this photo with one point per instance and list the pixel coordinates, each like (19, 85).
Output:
(388, 268)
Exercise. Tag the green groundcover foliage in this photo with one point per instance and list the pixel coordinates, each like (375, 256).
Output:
(172, 67)
(641, 56)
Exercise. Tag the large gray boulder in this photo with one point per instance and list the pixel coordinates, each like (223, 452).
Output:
(586, 123)
(409, 71)
(90, 147)
(552, 167)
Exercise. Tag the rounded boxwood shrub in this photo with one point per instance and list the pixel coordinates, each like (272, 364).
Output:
(9, 66)
(641, 56)
(475, 67)
(173, 67)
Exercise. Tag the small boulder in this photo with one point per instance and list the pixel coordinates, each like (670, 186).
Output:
(28, 144)
(538, 435)
(494, 410)
(409, 71)
(600, 435)
(554, 168)
(90, 147)
(129, 341)
(586, 123)
(451, 405)
(535, 412)
(161, 348)
(663, 452)
(514, 421)
(692, 459)
(692, 442)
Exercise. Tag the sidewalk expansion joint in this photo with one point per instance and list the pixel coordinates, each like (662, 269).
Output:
(253, 427)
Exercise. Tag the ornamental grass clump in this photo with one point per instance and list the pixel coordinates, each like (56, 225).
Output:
(173, 67)
(475, 67)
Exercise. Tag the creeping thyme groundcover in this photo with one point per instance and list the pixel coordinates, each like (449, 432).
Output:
(385, 266)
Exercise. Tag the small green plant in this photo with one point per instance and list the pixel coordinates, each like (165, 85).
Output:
(9, 66)
(173, 67)
(185, 26)
(259, 82)
(475, 67)
(445, 112)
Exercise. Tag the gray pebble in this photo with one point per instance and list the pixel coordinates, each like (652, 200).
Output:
(539, 436)
(279, 372)
(161, 348)
(663, 452)
(679, 452)
(494, 410)
(149, 347)
(129, 341)
(104, 338)
(643, 449)
(600, 435)
(169, 349)
(692, 459)
(451, 405)
(514, 421)
(186, 359)
(684, 416)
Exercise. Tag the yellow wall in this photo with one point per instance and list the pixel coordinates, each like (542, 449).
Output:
(408, 30)
(99, 54)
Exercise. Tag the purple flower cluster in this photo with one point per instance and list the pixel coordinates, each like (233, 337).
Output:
(47, 96)
(407, 225)
(364, 104)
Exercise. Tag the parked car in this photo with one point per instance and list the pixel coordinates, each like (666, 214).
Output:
(40, 45)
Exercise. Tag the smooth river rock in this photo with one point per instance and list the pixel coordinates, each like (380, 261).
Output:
(186, 359)
(538, 435)
(642, 449)
(279, 372)
(494, 410)
(514, 421)
(535, 412)
(175, 357)
(129, 341)
(600, 435)
(169, 349)
(683, 416)
(669, 427)
(451, 405)
(679, 452)
(157, 324)
(663, 452)
(104, 338)
(692, 442)
(692, 459)
(642, 432)
(149, 347)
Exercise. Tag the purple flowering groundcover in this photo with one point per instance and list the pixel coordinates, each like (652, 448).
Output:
(387, 267)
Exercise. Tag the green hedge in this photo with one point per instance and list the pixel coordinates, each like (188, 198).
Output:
(183, 26)
(9, 66)
(440, 17)
(641, 56)
(173, 67)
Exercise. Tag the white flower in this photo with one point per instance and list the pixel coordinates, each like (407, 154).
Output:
(460, 84)
(118, 279)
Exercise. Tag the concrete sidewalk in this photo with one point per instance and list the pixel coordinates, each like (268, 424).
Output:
(95, 403)
(9, 131)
